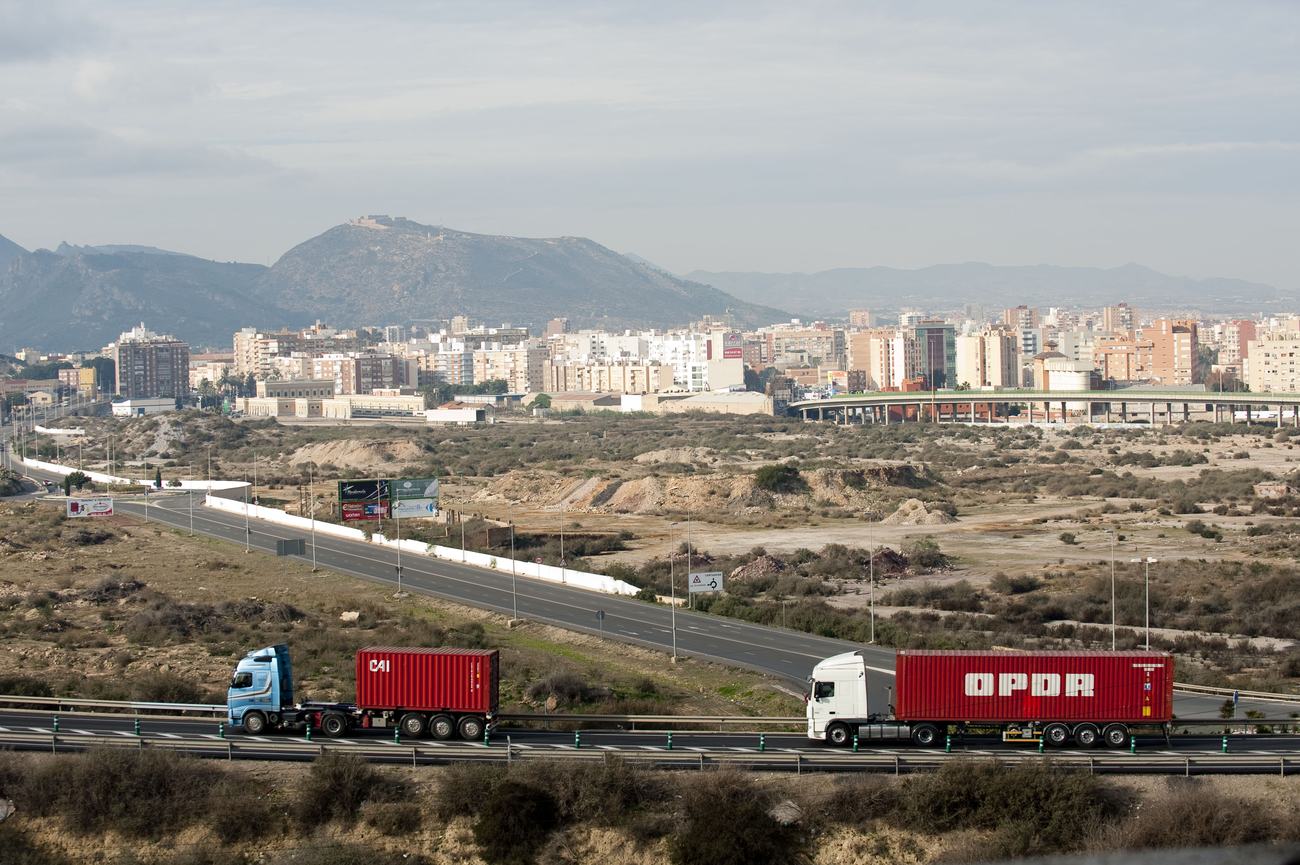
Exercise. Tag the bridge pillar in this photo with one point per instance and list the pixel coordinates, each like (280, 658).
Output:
(1279, 415)
(1187, 412)
(1295, 416)
(1062, 411)
(1248, 414)
(1029, 405)
(1169, 413)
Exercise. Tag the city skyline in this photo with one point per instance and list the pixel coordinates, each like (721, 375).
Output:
(741, 138)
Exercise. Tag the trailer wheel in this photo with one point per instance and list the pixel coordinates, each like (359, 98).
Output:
(254, 723)
(925, 735)
(1116, 735)
(1056, 735)
(838, 735)
(442, 727)
(412, 725)
(1087, 735)
(333, 725)
(471, 728)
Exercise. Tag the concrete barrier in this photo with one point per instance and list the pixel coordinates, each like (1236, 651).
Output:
(501, 564)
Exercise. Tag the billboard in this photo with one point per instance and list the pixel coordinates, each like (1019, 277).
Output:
(352, 511)
(413, 488)
(415, 508)
(732, 345)
(370, 490)
(99, 507)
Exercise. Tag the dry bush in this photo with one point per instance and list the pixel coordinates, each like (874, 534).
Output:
(338, 785)
(392, 818)
(513, 822)
(463, 786)
(725, 821)
(1193, 814)
(606, 792)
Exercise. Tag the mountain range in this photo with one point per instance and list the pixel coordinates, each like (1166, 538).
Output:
(375, 270)
(945, 287)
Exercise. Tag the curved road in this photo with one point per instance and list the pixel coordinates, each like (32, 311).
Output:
(785, 653)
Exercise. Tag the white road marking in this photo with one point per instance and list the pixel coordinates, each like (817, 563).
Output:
(170, 735)
(40, 729)
(83, 732)
(125, 733)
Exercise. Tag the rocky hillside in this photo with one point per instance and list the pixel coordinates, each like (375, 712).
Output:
(381, 270)
(9, 251)
(83, 297)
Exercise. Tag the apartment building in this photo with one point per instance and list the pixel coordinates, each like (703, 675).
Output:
(861, 319)
(1235, 339)
(617, 377)
(988, 359)
(888, 357)
(818, 345)
(1273, 363)
(255, 351)
(151, 366)
(522, 367)
(1123, 358)
(1174, 350)
(359, 374)
(1118, 319)
(936, 351)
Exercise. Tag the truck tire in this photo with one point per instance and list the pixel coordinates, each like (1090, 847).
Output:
(1087, 735)
(470, 728)
(925, 735)
(1056, 735)
(1116, 735)
(412, 725)
(442, 727)
(839, 735)
(334, 725)
(254, 723)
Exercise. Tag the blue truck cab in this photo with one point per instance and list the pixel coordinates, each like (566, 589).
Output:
(261, 690)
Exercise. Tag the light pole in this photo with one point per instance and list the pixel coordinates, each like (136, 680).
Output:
(871, 577)
(209, 467)
(399, 547)
(689, 599)
(1113, 615)
(562, 562)
(672, 588)
(514, 588)
(248, 531)
(311, 495)
(1147, 561)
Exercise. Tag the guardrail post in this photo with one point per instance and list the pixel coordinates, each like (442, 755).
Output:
(577, 738)
(762, 742)
(54, 742)
(1040, 744)
(307, 731)
(412, 756)
(56, 723)
(230, 750)
(855, 743)
(1132, 744)
(221, 730)
(397, 735)
(137, 726)
(510, 752)
(487, 733)
(1281, 766)
(670, 740)
(947, 744)
(798, 764)
(1225, 743)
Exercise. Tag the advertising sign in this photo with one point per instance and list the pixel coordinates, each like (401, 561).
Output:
(705, 582)
(413, 488)
(732, 345)
(89, 507)
(415, 508)
(364, 511)
(369, 490)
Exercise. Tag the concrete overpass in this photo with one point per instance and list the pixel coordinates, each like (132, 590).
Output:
(1033, 406)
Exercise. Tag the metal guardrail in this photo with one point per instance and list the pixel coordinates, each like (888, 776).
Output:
(631, 721)
(1228, 693)
(1200, 763)
(127, 706)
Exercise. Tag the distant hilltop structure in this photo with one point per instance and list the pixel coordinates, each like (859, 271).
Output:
(374, 220)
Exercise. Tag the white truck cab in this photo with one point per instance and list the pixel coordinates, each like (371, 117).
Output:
(837, 709)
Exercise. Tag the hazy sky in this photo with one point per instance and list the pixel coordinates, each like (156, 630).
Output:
(791, 136)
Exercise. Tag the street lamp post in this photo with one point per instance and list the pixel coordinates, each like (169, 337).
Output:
(311, 495)
(248, 531)
(672, 588)
(1113, 614)
(1147, 562)
(871, 577)
(514, 575)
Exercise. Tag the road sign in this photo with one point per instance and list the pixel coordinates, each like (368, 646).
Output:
(413, 488)
(100, 507)
(364, 511)
(368, 490)
(415, 508)
(705, 582)
(290, 547)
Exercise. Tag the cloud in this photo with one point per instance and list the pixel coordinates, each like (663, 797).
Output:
(34, 31)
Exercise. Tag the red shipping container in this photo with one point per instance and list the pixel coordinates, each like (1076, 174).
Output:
(428, 680)
(1127, 687)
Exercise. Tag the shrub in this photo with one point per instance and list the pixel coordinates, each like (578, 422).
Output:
(513, 822)
(924, 552)
(1193, 815)
(20, 849)
(392, 818)
(464, 785)
(167, 688)
(726, 822)
(336, 788)
(142, 794)
(567, 688)
(780, 478)
(241, 813)
(25, 686)
(604, 792)
(1067, 538)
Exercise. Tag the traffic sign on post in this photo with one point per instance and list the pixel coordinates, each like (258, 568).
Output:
(705, 582)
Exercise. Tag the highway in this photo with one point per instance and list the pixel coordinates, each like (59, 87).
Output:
(787, 654)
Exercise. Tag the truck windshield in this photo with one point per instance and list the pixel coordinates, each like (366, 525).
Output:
(822, 690)
(242, 680)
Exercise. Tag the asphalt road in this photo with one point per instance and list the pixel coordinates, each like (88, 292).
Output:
(784, 653)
